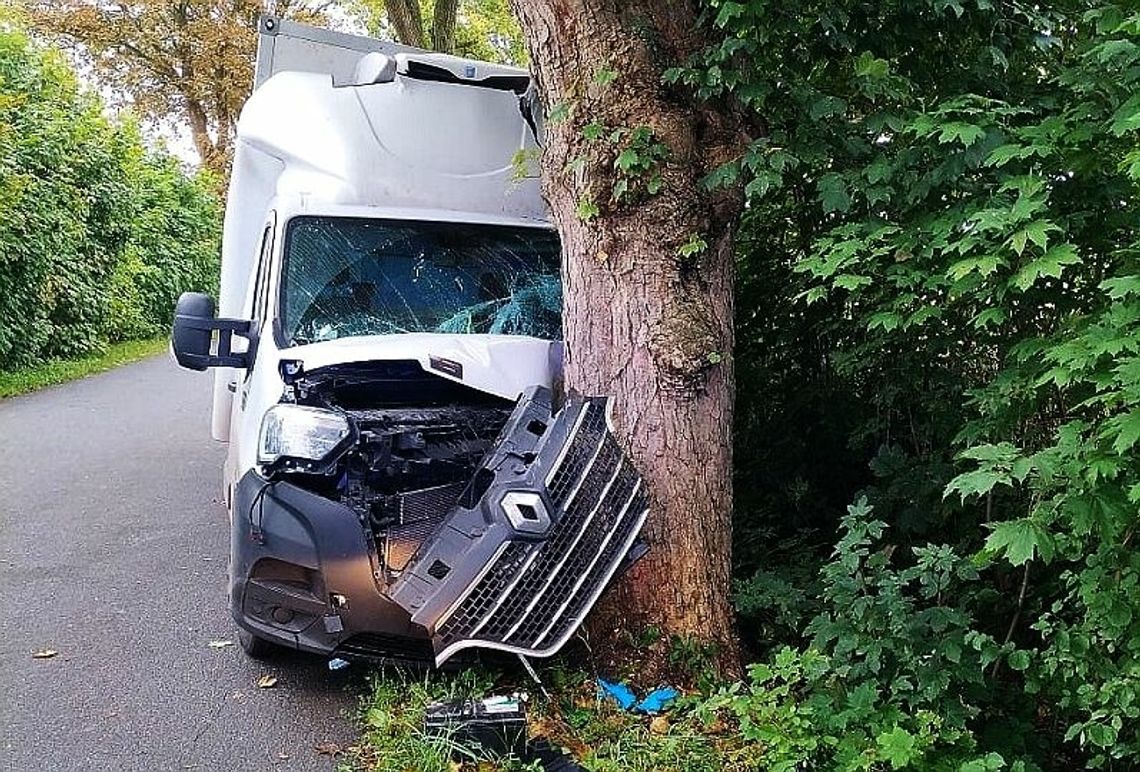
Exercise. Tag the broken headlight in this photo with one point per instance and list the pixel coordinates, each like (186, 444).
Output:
(302, 438)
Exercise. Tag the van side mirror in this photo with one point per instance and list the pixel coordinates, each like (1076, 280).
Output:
(195, 323)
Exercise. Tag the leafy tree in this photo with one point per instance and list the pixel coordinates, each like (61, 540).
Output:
(938, 280)
(97, 234)
(187, 61)
(478, 29)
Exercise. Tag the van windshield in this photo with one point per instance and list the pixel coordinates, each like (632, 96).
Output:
(347, 276)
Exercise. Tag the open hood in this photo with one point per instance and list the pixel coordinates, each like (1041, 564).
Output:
(502, 365)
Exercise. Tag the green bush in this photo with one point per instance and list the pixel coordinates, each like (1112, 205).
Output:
(939, 309)
(98, 235)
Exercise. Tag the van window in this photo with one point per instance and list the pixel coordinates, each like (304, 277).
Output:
(359, 276)
(261, 281)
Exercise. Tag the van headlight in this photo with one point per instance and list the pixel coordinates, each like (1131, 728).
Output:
(304, 438)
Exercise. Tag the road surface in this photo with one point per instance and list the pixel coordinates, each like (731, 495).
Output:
(113, 549)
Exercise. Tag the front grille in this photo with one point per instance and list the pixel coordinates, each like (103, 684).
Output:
(536, 593)
(377, 646)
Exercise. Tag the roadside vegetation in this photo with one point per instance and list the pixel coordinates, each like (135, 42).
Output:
(99, 233)
(937, 353)
(937, 437)
(56, 371)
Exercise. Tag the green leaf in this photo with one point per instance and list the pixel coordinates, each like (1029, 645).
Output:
(871, 67)
(833, 193)
(898, 747)
(1018, 540)
(850, 281)
(1127, 431)
(1052, 263)
(885, 320)
(964, 133)
(1004, 154)
(983, 265)
(1127, 117)
(1019, 659)
(627, 159)
(988, 317)
(728, 12)
(587, 208)
(604, 76)
(593, 130)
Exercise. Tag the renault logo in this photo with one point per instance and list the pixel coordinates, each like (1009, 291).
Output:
(525, 511)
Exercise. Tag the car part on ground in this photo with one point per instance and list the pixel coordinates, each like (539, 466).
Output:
(548, 519)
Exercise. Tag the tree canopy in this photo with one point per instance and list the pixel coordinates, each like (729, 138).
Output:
(477, 29)
(98, 235)
(186, 62)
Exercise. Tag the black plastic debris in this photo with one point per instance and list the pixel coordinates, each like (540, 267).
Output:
(494, 725)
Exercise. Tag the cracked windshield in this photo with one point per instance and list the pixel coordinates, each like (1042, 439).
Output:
(355, 276)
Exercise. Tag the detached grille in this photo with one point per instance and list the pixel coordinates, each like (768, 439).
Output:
(529, 593)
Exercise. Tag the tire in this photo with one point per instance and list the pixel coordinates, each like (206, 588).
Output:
(257, 648)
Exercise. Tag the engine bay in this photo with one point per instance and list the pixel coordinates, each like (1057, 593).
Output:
(418, 439)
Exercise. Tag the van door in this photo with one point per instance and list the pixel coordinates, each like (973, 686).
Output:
(256, 308)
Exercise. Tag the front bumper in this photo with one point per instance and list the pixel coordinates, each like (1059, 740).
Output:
(551, 515)
(303, 574)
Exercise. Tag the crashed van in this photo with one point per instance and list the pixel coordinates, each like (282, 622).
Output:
(405, 479)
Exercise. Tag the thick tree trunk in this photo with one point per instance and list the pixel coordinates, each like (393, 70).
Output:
(648, 310)
(407, 21)
(443, 25)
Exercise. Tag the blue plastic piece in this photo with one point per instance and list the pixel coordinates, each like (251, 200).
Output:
(657, 700)
(619, 693)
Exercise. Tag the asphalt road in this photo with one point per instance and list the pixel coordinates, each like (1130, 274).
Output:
(113, 548)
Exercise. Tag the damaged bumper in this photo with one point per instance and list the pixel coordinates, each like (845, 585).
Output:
(551, 514)
(519, 566)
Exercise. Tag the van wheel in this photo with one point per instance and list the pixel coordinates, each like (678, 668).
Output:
(256, 648)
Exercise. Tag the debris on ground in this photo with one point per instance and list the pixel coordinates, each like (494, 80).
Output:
(336, 663)
(220, 644)
(327, 749)
(267, 681)
(495, 724)
(656, 701)
(44, 654)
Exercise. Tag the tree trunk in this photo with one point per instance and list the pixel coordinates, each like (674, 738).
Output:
(407, 21)
(203, 142)
(647, 270)
(443, 25)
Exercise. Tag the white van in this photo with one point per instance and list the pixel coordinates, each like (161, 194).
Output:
(403, 478)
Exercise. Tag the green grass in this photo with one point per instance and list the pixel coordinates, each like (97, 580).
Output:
(63, 370)
(600, 736)
(393, 736)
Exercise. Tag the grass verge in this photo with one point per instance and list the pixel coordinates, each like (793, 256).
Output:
(601, 737)
(62, 370)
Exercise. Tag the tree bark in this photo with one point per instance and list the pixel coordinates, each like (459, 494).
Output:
(648, 312)
(443, 25)
(200, 134)
(407, 21)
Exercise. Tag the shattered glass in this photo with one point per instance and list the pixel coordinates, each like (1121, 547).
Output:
(359, 276)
